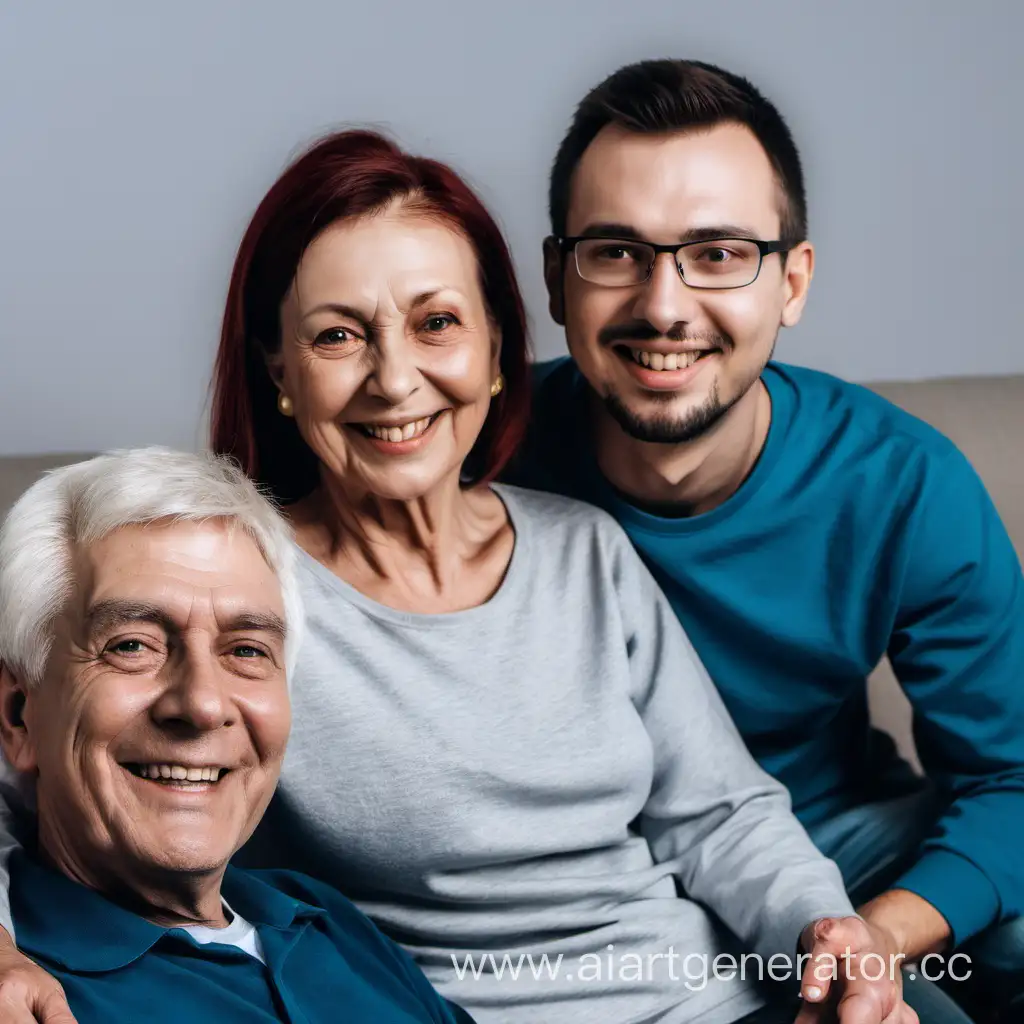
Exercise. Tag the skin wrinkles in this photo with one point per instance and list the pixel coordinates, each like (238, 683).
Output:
(198, 680)
(386, 324)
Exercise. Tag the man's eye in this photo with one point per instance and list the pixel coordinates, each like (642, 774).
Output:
(247, 651)
(716, 255)
(616, 253)
(127, 647)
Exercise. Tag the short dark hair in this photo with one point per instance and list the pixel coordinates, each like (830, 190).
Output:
(677, 95)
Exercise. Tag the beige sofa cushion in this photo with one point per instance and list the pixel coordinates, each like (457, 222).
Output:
(18, 472)
(984, 417)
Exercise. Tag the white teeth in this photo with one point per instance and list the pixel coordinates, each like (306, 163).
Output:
(179, 773)
(404, 433)
(660, 361)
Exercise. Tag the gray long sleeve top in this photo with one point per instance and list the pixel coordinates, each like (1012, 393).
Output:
(551, 772)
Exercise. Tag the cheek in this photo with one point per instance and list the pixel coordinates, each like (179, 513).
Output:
(268, 720)
(588, 309)
(326, 386)
(461, 372)
(91, 716)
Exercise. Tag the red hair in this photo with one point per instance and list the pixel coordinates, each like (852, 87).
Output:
(349, 174)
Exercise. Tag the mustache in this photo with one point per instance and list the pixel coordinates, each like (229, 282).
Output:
(640, 330)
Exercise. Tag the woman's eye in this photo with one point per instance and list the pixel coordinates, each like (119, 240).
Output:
(336, 336)
(439, 322)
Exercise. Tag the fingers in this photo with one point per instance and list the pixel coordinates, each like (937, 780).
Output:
(818, 974)
(14, 1004)
(857, 1007)
(811, 1013)
(53, 1009)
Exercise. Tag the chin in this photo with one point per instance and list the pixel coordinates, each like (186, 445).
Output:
(406, 485)
(189, 854)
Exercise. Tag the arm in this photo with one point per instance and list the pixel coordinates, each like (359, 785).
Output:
(958, 650)
(27, 992)
(724, 823)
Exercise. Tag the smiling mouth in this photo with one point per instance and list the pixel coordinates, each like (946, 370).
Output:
(651, 360)
(178, 775)
(397, 432)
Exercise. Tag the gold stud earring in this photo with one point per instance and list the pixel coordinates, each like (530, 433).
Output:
(497, 386)
(284, 405)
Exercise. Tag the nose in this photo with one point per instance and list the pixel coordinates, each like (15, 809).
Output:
(195, 698)
(665, 301)
(396, 376)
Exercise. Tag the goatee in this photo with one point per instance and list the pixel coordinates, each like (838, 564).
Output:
(668, 429)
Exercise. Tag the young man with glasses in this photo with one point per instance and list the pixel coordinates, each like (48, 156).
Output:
(802, 527)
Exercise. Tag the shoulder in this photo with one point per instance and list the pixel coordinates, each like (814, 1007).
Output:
(827, 403)
(555, 517)
(553, 373)
(306, 889)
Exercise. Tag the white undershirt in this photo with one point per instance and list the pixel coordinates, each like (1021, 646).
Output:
(238, 933)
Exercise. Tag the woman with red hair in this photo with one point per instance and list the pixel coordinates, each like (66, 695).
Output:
(503, 742)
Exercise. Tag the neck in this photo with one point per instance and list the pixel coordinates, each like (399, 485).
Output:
(163, 897)
(691, 477)
(418, 545)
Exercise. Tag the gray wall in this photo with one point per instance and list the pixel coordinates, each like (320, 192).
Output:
(136, 139)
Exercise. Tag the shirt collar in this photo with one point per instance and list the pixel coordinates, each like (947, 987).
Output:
(67, 923)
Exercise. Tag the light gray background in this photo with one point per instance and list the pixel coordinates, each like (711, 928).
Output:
(136, 139)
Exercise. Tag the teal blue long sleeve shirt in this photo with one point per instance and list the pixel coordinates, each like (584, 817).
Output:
(860, 532)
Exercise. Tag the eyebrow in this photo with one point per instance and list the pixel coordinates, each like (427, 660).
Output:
(341, 309)
(108, 614)
(260, 622)
(338, 308)
(701, 234)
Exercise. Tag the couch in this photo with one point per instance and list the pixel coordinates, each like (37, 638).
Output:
(983, 415)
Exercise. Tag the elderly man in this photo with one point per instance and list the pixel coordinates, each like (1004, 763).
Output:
(148, 616)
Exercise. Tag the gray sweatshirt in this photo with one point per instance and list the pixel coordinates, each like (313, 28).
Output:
(551, 774)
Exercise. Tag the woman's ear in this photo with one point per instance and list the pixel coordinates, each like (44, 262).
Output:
(275, 367)
(16, 740)
(495, 349)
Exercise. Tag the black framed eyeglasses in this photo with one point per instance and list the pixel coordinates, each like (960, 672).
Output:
(720, 263)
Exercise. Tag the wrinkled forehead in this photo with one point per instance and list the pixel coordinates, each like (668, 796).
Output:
(665, 184)
(192, 571)
(388, 258)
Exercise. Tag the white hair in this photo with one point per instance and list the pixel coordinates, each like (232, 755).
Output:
(80, 504)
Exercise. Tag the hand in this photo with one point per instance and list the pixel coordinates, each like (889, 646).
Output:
(28, 995)
(854, 975)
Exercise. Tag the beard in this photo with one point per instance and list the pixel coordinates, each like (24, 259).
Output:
(666, 428)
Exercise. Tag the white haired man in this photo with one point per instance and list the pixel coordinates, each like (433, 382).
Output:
(148, 618)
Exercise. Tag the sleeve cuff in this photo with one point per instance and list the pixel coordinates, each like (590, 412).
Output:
(784, 936)
(958, 890)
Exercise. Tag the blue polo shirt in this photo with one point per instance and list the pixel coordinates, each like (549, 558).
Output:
(325, 961)
(860, 532)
